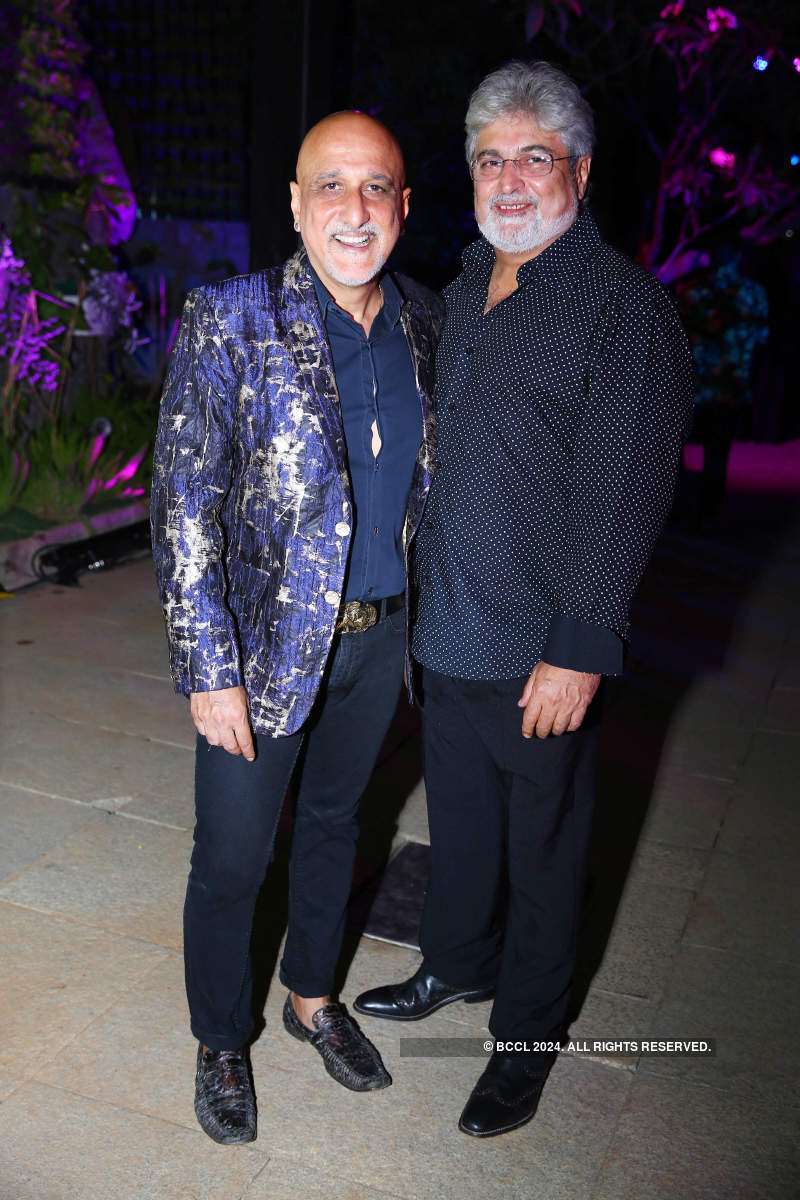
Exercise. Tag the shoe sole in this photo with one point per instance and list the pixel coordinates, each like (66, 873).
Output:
(472, 998)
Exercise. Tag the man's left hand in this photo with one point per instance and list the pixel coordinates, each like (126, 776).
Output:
(555, 700)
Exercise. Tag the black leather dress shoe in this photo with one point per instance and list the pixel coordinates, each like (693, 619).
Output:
(415, 998)
(223, 1095)
(506, 1095)
(349, 1057)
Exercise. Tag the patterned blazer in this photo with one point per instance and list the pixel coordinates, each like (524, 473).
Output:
(251, 502)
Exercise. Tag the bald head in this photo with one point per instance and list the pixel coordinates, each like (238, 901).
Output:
(349, 199)
(342, 128)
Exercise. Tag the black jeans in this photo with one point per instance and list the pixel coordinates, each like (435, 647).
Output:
(237, 809)
(510, 820)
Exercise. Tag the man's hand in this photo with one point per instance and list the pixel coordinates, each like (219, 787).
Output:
(223, 720)
(555, 700)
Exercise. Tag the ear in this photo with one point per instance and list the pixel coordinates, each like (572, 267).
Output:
(582, 168)
(294, 189)
(406, 199)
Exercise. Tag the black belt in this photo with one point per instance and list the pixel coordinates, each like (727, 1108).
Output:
(355, 616)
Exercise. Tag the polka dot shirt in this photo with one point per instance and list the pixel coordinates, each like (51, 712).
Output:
(561, 417)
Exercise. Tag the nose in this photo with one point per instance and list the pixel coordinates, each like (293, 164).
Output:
(510, 176)
(355, 209)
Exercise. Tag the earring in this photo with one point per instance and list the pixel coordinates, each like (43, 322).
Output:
(297, 226)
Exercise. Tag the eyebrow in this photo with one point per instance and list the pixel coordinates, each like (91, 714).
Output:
(336, 173)
(521, 150)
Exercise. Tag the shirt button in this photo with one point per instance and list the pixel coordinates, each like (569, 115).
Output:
(451, 407)
(469, 349)
(332, 598)
(342, 529)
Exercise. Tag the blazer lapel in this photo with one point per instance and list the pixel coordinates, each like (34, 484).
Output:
(308, 343)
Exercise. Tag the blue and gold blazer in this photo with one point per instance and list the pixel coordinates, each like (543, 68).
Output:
(251, 502)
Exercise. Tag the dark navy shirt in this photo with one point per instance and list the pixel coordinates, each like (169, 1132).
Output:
(561, 415)
(376, 383)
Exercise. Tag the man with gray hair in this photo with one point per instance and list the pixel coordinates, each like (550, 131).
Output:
(564, 395)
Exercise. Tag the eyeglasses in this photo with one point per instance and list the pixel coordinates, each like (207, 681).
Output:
(529, 166)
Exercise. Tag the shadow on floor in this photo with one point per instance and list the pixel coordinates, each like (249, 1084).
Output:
(682, 620)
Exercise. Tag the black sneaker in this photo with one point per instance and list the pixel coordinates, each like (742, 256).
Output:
(223, 1095)
(349, 1057)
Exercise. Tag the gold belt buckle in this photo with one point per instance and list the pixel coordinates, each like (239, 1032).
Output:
(355, 617)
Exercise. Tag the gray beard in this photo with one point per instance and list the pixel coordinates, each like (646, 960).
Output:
(525, 236)
(357, 280)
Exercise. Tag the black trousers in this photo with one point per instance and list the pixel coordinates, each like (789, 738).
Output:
(510, 820)
(237, 809)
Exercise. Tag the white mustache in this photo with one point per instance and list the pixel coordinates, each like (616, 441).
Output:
(513, 198)
(343, 227)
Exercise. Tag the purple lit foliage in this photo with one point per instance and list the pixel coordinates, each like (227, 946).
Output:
(24, 336)
(681, 82)
(109, 305)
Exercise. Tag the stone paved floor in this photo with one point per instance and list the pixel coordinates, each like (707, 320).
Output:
(691, 926)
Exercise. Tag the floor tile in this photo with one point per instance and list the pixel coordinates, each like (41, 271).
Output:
(146, 777)
(413, 818)
(687, 810)
(661, 864)
(611, 1017)
(58, 1146)
(125, 876)
(285, 1179)
(675, 1139)
(749, 1006)
(783, 710)
(30, 825)
(139, 1053)
(102, 697)
(55, 978)
(764, 816)
(744, 908)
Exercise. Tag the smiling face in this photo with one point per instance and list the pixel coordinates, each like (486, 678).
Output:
(520, 217)
(350, 199)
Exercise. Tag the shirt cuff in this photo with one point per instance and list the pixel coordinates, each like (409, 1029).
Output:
(581, 646)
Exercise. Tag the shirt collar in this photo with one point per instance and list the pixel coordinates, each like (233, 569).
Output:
(392, 300)
(560, 263)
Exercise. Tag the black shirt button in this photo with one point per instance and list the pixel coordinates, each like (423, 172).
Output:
(451, 407)
(469, 349)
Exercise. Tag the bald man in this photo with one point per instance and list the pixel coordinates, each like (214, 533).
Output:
(293, 458)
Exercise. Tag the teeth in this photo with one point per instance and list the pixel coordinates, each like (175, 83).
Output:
(360, 240)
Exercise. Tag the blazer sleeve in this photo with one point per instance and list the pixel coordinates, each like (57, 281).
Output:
(626, 460)
(192, 471)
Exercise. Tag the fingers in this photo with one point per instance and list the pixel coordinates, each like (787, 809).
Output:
(531, 718)
(562, 722)
(244, 739)
(555, 700)
(221, 717)
(527, 692)
(576, 720)
(544, 726)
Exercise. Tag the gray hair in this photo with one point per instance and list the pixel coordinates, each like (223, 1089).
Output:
(538, 90)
